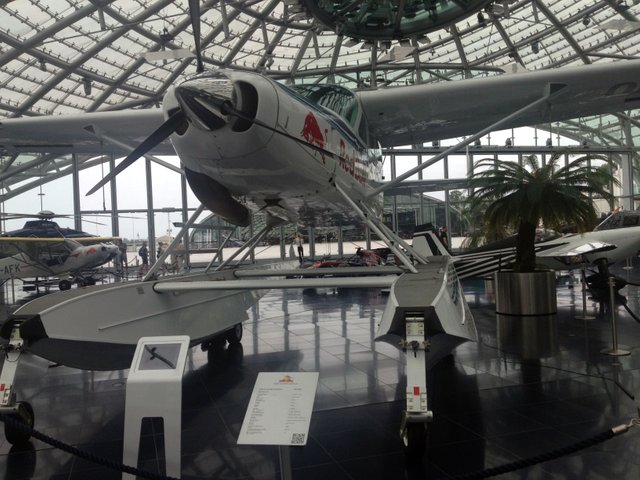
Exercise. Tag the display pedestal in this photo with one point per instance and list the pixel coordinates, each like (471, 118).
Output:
(525, 293)
(154, 389)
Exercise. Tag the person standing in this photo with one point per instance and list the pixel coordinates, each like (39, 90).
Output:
(143, 253)
(299, 241)
(444, 238)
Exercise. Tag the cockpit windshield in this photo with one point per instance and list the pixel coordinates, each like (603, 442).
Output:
(332, 97)
(340, 101)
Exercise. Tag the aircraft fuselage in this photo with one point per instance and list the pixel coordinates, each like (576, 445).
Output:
(287, 153)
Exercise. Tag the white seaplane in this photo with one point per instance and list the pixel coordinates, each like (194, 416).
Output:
(308, 154)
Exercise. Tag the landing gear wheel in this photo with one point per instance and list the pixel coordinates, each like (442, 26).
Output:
(24, 414)
(235, 354)
(64, 285)
(215, 348)
(414, 437)
(234, 335)
(89, 281)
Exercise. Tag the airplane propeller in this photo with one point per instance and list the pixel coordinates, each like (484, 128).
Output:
(194, 13)
(157, 137)
(206, 118)
(208, 109)
(173, 122)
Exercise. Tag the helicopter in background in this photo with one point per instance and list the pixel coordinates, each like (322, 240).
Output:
(41, 248)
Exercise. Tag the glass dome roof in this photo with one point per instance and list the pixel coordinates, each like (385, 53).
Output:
(68, 56)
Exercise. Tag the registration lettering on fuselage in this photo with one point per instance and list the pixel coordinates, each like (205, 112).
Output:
(12, 268)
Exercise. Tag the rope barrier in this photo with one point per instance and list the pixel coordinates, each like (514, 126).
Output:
(9, 420)
(545, 457)
(490, 472)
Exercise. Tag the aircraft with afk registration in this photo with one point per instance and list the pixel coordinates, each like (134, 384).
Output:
(305, 154)
(44, 249)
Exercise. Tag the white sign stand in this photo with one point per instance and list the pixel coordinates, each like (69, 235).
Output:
(279, 412)
(154, 389)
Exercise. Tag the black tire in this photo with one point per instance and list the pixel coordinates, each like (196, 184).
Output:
(414, 438)
(235, 354)
(64, 285)
(89, 281)
(24, 414)
(216, 350)
(234, 336)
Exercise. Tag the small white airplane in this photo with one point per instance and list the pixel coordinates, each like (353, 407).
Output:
(308, 154)
(599, 248)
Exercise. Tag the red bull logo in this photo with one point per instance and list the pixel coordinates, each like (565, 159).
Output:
(347, 161)
(351, 163)
(311, 131)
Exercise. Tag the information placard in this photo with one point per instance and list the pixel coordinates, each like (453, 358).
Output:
(280, 409)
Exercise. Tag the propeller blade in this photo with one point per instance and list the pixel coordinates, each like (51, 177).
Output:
(91, 221)
(157, 137)
(194, 13)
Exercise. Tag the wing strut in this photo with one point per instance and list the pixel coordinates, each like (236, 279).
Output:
(160, 261)
(246, 248)
(551, 91)
(391, 240)
(218, 254)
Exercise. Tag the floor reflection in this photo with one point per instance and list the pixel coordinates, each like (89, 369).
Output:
(529, 385)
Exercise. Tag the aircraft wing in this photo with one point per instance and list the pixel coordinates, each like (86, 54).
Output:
(90, 240)
(573, 249)
(348, 277)
(418, 113)
(50, 240)
(30, 240)
(82, 132)
(257, 284)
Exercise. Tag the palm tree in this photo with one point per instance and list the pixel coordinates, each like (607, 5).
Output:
(521, 196)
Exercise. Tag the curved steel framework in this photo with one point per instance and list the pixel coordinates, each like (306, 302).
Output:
(89, 55)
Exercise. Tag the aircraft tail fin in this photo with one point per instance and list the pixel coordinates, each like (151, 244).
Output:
(426, 241)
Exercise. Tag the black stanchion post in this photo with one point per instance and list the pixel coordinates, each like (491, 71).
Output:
(614, 350)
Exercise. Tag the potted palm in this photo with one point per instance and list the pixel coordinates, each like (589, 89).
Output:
(523, 196)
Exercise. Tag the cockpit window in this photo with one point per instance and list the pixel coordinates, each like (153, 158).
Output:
(333, 97)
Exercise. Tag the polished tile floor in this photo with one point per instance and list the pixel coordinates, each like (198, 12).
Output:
(528, 386)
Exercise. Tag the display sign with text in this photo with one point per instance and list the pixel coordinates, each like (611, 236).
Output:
(280, 408)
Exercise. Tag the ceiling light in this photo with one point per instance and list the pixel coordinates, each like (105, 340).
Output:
(86, 82)
(586, 21)
(165, 36)
(535, 46)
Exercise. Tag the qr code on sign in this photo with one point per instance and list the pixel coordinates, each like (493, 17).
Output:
(297, 439)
